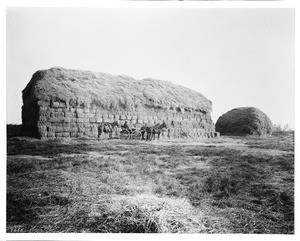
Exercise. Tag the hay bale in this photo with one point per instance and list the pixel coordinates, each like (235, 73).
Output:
(50, 134)
(244, 121)
(55, 104)
(80, 120)
(78, 88)
(66, 134)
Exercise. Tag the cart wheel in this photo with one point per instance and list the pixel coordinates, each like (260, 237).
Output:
(124, 135)
(136, 135)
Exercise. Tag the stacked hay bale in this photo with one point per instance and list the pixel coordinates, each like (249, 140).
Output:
(70, 103)
(244, 121)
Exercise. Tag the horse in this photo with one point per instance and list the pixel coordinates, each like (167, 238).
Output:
(110, 128)
(116, 129)
(158, 129)
(152, 130)
(148, 131)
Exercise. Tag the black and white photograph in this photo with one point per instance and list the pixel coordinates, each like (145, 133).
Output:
(199, 0)
(149, 120)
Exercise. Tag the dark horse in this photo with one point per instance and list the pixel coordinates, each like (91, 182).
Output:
(110, 128)
(152, 130)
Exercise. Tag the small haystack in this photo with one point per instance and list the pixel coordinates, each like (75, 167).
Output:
(244, 121)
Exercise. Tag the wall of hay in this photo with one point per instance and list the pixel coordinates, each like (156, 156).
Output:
(54, 119)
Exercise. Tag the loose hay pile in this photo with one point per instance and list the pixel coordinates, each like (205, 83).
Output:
(244, 121)
(111, 91)
(149, 214)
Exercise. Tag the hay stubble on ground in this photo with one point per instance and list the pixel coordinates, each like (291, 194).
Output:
(226, 185)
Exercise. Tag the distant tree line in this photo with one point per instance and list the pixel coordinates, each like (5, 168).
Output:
(278, 127)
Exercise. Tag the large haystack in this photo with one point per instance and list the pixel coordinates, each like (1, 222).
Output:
(244, 121)
(61, 103)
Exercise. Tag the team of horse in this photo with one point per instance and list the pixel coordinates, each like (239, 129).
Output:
(151, 131)
(115, 128)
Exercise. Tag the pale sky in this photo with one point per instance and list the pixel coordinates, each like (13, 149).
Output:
(234, 57)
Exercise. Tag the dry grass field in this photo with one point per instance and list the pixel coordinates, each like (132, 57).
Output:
(226, 185)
